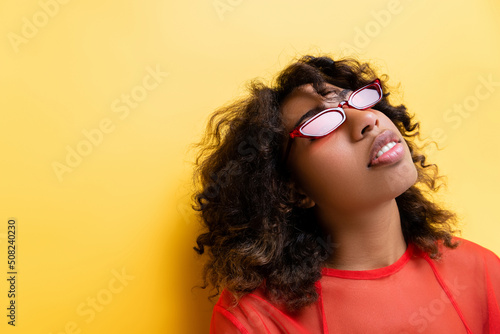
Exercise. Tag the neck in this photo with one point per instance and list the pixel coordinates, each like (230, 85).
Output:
(364, 240)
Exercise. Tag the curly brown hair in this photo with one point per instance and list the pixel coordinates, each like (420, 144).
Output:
(256, 232)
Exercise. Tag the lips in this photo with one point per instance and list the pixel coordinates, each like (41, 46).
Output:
(387, 145)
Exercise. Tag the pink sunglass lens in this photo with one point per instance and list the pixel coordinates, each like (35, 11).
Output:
(324, 124)
(365, 98)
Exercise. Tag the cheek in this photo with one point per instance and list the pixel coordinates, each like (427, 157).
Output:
(329, 175)
(339, 178)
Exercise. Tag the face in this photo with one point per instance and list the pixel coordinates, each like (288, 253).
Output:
(341, 171)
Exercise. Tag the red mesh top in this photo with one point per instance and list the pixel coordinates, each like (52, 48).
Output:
(458, 294)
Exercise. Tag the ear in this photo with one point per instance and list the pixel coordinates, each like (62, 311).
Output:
(306, 202)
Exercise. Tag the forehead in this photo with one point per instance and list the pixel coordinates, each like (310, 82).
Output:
(305, 98)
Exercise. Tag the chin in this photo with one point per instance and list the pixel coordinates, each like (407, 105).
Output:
(401, 179)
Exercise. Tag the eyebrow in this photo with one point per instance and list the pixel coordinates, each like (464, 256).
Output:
(310, 114)
(339, 93)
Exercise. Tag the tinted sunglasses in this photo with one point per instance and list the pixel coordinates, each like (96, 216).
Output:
(326, 121)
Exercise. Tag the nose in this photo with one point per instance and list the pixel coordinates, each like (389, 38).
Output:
(360, 122)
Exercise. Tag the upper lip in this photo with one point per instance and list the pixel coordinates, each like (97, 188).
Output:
(380, 141)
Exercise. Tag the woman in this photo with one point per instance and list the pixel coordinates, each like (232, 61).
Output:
(318, 220)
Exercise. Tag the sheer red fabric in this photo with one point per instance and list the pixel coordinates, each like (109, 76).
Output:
(460, 293)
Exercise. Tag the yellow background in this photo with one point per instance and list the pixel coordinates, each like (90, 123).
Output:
(125, 206)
